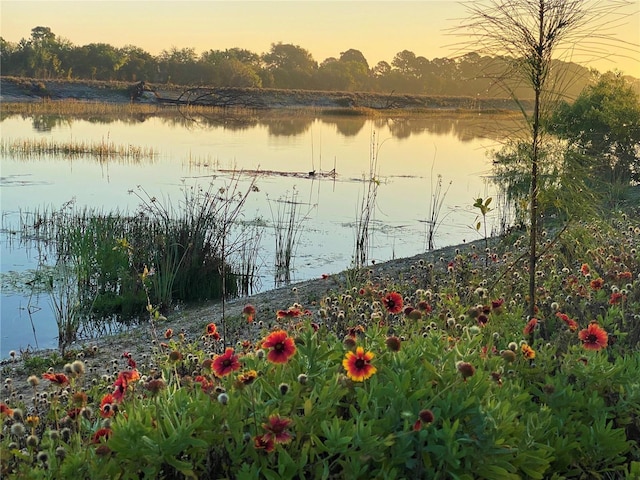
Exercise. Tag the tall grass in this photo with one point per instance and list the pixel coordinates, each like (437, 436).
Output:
(364, 215)
(110, 264)
(287, 222)
(102, 151)
(247, 267)
(435, 208)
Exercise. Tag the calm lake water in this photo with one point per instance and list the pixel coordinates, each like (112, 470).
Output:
(411, 154)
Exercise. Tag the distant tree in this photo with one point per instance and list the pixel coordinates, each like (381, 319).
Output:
(137, 65)
(41, 53)
(405, 63)
(290, 65)
(7, 51)
(100, 61)
(232, 68)
(342, 75)
(353, 55)
(604, 125)
(381, 69)
(180, 66)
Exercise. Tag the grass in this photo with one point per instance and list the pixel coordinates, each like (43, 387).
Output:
(102, 151)
(99, 265)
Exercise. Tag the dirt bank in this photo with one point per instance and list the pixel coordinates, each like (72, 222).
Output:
(32, 90)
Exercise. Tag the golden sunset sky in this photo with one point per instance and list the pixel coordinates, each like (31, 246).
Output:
(379, 29)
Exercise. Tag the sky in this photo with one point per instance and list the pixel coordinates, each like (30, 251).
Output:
(378, 29)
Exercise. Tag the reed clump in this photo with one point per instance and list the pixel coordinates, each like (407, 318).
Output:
(106, 264)
(102, 150)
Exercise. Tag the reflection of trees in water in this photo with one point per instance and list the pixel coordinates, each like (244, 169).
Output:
(345, 125)
(46, 123)
(466, 126)
(283, 127)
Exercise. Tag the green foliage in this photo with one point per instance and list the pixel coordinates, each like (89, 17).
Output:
(454, 394)
(563, 179)
(604, 125)
(116, 264)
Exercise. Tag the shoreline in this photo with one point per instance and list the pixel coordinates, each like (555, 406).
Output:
(101, 352)
(25, 90)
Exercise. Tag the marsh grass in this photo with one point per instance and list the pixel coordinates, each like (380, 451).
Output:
(434, 210)
(103, 265)
(103, 150)
(247, 266)
(287, 223)
(366, 212)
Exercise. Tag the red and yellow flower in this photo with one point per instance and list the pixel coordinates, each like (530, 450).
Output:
(358, 365)
(122, 383)
(212, 331)
(226, 363)
(596, 284)
(393, 302)
(276, 428)
(249, 312)
(593, 337)
(572, 324)
(57, 378)
(528, 352)
(530, 326)
(101, 433)
(281, 347)
(106, 406)
(264, 442)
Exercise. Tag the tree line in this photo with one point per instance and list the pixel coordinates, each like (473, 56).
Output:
(46, 56)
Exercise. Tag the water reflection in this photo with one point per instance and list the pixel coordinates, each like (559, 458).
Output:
(280, 149)
(465, 127)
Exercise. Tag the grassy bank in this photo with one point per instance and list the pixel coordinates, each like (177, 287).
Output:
(432, 371)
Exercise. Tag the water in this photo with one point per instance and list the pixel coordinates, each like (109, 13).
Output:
(411, 154)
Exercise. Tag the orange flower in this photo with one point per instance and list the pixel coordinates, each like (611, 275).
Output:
(627, 275)
(225, 363)
(122, 383)
(358, 365)
(392, 301)
(5, 410)
(530, 326)
(572, 324)
(106, 406)
(58, 378)
(103, 432)
(528, 352)
(246, 378)
(596, 283)
(616, 297)
(206, 384)
(593, 337)
(290, 313)
(249, 312)
(212, 331)
(584, 269)
(282, 347)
